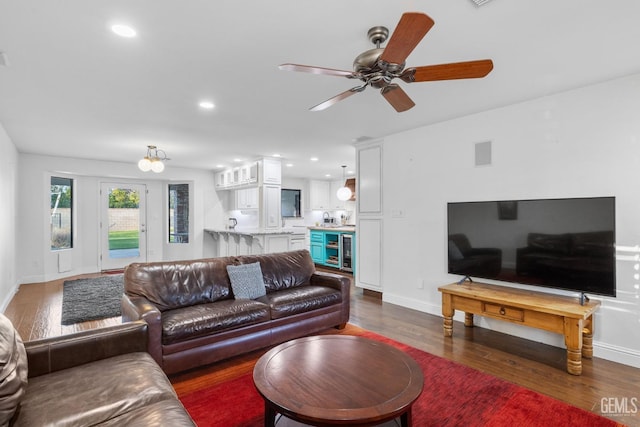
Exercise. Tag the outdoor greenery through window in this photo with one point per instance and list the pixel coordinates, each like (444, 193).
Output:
(178, 213)
(124, 227)
(61, 213)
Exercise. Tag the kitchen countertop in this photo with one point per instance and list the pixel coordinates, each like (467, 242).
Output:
(345, 228)
(255, 231)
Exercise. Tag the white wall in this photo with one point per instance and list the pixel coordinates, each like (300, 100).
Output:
(36, 262)
(8, 215)
(580, 143)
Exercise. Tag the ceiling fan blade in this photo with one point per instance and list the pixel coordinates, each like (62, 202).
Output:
(411, 28)
(339, 97)
(456, 70)
(318, 70)
(397, 97)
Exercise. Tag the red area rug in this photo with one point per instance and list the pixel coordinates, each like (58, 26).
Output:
(454, 395)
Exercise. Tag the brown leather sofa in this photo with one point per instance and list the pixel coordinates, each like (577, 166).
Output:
(194, 318)
(100, 377)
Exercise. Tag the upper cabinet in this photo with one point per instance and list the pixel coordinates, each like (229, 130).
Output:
(319, 197)
(271, 171)
(239, 176)
(247, 198)
(251, 174)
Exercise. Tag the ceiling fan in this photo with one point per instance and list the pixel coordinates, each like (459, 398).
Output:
(378, 67)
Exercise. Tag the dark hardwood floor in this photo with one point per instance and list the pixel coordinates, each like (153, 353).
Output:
(36, 311)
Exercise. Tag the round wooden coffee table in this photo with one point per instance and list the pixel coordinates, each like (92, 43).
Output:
(338, 380)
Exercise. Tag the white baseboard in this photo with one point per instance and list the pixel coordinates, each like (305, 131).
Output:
(8, 297)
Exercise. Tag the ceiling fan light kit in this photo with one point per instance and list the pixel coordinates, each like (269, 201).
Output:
(379, 66)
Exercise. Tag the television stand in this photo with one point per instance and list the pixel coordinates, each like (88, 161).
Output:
(555, 313)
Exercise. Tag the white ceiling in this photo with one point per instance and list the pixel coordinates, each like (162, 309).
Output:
(72, 88)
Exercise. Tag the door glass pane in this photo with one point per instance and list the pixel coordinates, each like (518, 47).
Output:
(124, 223)
(178, 213)
(61, 213)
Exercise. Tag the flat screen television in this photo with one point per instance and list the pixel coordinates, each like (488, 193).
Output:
(560, 243)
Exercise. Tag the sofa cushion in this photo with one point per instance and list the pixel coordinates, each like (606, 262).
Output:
(283, 270)
(13, 370)
(95, 392)
(176, 284)
(164, 413)
(205, 319)
(300, 299)
(246, 280)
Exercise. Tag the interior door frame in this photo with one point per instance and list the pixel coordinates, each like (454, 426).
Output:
(106, 262)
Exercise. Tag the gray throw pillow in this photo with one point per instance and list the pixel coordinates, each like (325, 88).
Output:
(246, 281)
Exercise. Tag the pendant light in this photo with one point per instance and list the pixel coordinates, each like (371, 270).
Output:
(153, 161)
(344, 192)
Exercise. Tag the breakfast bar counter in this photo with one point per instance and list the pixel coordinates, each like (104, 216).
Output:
(251, 241)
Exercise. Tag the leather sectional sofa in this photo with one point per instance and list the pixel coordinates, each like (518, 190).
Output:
(100, 377)
(195, 318)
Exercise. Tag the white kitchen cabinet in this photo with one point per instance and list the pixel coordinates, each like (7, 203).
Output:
(369, 254)
(271, 216)
(297, 242)
(249, 173)
(237, 177)
(247, 198)
(271, 171)
(369, 217)
(319, 196)
(369, 180)
(228, 178)
(276, 243)
(220, 180)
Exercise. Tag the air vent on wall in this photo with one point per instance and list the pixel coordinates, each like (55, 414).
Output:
(483, 153)
(480, 2)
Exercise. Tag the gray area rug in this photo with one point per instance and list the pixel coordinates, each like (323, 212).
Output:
(91, 299)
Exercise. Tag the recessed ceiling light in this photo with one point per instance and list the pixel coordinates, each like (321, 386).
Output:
(314, 159)
(207, 105)
(237, 160)
(277, 155)
(289, 165)
(328, 175)
(219, 166)
(123, 30)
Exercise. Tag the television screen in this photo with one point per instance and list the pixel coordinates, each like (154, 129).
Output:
(560, 243)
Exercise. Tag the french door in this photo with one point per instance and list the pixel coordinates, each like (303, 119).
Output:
(123, 237)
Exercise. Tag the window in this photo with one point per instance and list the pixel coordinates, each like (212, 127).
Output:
(290, 203)
(61, 213)
(178, 213)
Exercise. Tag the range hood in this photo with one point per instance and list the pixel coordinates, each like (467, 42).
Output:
(350, 183)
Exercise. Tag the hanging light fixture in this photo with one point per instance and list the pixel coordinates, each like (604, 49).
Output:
(344, 192)
(153, 161)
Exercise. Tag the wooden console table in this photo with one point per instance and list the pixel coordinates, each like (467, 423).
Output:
(555, 313)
